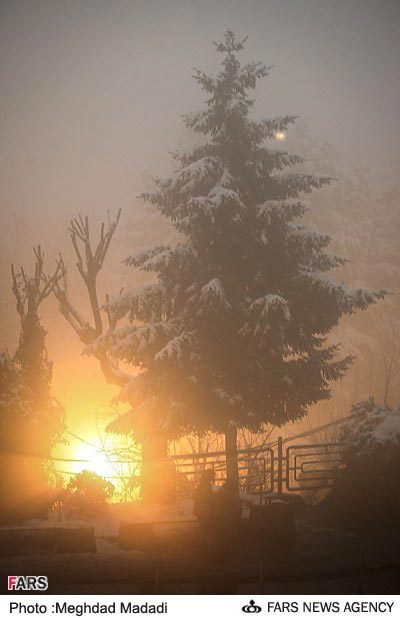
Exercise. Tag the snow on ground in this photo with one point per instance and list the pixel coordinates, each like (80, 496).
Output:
(107, 524)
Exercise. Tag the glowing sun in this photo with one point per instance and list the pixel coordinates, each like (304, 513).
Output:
(280, 135)
(93, 460)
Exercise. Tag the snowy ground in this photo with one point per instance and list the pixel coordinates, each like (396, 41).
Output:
(321, 560)
(107, 524)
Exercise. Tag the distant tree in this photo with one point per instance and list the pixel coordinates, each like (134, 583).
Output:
(31, 420)
(390, 361)
(363, 222)
(233, 331)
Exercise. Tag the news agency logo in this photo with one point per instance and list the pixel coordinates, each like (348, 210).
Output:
(251, 608)
(27, 582)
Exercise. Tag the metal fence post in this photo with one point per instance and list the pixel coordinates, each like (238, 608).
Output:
(280, 465)
(261, 577)
(361, 581)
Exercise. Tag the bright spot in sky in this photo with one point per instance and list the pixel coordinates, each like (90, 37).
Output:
(115, 458)
(93, 460)
(280, 135)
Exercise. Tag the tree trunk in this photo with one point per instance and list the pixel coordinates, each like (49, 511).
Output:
(232, 471)
(158, 472)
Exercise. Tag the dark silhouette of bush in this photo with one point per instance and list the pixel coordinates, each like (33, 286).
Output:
(367, 494)
(87, 495)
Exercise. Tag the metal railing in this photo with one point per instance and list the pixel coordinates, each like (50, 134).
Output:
(313, 466)
(272, 469)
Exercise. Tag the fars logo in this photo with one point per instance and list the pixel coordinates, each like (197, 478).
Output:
(27, 582)
(251, 608)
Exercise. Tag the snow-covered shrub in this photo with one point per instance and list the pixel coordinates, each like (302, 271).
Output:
(87, 495)
(367, 494)
(372, 429)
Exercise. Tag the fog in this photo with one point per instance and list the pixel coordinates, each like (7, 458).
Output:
(93, 92)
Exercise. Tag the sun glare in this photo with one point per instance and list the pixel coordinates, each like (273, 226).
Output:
(280, 135)
(93, 459)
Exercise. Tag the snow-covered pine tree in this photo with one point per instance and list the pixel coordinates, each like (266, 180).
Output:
(233, 331)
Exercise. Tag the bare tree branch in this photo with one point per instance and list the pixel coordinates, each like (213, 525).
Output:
(29, 291)
(89, 263)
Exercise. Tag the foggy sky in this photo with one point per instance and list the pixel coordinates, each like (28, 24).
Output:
(92, 92)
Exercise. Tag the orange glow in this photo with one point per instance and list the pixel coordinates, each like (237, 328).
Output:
(86, 396)
(94, 460)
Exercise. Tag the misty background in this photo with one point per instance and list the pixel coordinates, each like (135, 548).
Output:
(92, 94)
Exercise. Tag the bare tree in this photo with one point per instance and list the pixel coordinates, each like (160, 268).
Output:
(31, 419)
(89, 262)
(30, 291)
